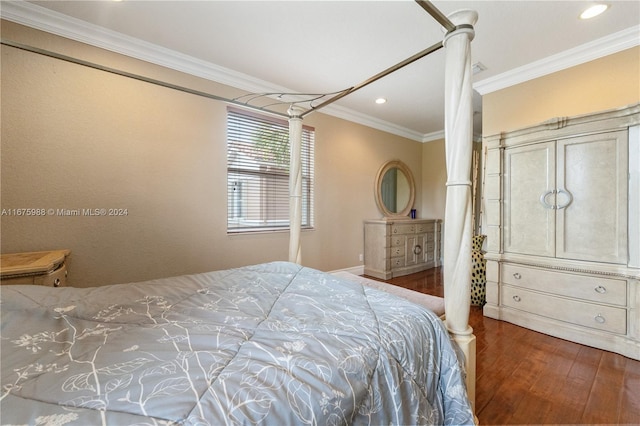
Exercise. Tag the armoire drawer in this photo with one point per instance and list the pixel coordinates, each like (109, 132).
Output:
(585, 287)
(606, 318)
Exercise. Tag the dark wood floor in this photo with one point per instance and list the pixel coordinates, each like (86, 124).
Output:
(525, 377)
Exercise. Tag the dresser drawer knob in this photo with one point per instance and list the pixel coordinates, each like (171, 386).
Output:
(599, 319)
(601, 289)
(417, 249)
(517, 298)
(517, 275)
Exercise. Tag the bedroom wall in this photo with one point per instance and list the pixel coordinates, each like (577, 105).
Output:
(434, 179)
(606, 83)
(77, 138)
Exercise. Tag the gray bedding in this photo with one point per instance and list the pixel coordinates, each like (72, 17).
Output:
(274, 344)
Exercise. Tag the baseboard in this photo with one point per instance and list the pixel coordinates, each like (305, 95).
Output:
(355, 270)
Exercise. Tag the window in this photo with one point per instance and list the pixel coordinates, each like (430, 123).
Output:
(258, 173)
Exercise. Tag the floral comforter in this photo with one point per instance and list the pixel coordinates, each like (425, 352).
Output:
(275, 344)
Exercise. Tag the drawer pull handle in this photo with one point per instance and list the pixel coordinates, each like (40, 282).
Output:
(599, 319)
(56, 282)
(417, 250)
(517, 298)
(517, 275)
(601, 289)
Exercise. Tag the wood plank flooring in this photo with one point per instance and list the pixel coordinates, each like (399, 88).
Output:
(525, 377)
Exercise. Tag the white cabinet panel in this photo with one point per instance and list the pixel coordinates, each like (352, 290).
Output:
(592, 184)
(568, 199)
(529, 220)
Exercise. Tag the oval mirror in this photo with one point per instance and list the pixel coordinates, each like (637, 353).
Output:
(395, 189)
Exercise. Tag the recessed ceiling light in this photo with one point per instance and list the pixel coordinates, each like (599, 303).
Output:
(594, 11)
(381, 101)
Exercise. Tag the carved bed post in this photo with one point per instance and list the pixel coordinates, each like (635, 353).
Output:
(295, 184)
(459, 147)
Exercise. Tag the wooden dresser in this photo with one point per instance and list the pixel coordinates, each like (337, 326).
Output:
(47, 268)
(561, 205)
(396, 247)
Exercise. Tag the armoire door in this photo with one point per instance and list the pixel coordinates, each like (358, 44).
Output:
(529, 181)
(591, 197)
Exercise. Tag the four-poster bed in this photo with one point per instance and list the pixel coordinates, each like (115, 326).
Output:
(458, 137)
(175, 376)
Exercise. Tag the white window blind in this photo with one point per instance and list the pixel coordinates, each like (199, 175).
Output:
(258, 172)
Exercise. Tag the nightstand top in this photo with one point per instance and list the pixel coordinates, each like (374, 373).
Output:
(31, 262)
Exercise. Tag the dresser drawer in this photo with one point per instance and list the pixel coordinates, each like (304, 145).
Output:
(404, 228)
(585, 287)
(429, 256)
(425, 227)
(397, 240)
(412, 228)
(397, 262)
(397, 251)
(56, 278)
(606, 318)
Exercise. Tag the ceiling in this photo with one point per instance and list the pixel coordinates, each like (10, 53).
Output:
(325, 46)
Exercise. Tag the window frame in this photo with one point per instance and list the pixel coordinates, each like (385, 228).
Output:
(256, 187)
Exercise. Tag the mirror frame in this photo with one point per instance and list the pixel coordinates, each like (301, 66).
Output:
(378, 188)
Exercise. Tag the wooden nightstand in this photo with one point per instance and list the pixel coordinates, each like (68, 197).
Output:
(41, 268)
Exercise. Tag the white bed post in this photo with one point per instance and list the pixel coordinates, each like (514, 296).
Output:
(295, 184)
(459, 147)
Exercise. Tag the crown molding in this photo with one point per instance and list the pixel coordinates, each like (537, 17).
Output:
(369, 121)
(46, 20)
(596, 49)
(433, 136)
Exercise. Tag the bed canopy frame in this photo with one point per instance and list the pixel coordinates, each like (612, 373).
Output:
(459, 33)
(459, 150)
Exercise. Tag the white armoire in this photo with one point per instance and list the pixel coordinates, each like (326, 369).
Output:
(561, 211)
